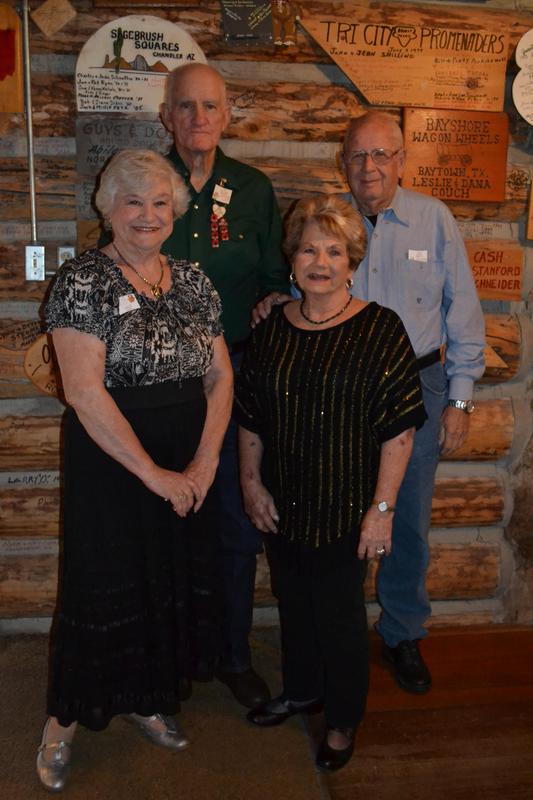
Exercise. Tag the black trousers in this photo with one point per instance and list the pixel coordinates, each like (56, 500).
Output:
(324, 635)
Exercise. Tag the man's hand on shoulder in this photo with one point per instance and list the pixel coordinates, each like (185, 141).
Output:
(453, 430)
(264, 306)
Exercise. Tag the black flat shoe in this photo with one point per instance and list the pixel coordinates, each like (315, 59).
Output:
(329, 759)
(276, 711)
(410, 669)
(247, 687)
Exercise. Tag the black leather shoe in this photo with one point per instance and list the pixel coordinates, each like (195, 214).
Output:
(329, 759)
(410, 670)
(276, 711)
(248, 688)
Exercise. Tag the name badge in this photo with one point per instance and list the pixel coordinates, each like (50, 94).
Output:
(221, 194)
(417, 255)
(128, 302)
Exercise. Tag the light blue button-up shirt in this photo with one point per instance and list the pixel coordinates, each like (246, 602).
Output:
(416, 264)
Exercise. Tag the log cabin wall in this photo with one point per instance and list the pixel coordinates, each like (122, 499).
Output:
(290, 110)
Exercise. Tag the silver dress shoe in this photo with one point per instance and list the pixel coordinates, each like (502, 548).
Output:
(172, 737)
(53, 769)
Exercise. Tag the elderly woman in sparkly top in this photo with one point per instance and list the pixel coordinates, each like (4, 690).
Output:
(328, 400)
(148, 384)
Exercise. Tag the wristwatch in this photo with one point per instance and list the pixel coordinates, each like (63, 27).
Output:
(383, 506)
(465, 405)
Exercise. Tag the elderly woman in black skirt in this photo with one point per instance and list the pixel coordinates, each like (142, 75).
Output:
(148, 384)
(328, 400)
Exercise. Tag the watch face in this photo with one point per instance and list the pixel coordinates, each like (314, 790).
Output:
(469, 407)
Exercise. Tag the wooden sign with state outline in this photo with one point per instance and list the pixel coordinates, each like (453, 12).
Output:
(415, 63)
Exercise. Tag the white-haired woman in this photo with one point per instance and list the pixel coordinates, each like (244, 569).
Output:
(328, 399)
(148, 384)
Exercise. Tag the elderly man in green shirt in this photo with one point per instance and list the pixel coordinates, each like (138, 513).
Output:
(232, 230)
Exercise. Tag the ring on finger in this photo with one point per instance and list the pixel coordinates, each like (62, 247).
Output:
(380, 551)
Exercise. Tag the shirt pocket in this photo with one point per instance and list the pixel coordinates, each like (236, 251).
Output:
(243, 240)
(421, 283)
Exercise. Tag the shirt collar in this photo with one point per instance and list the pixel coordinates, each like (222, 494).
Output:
(220, 166)
(396, 210)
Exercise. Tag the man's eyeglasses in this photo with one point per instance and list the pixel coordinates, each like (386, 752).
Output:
(379, 156)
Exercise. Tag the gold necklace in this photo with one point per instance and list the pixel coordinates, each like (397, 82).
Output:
(155, 288)
(328, 319)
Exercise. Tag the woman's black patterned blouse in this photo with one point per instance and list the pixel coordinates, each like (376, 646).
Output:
(322, 403)
(147, 341)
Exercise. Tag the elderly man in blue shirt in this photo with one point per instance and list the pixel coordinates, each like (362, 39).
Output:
(415, 264)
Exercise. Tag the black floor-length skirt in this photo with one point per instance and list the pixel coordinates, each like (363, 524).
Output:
(136, 603)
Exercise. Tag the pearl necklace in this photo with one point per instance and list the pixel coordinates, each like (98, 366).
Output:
(328, 319)
(155, 288)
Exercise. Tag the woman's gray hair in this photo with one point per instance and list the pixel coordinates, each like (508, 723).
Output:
(131, 171)
(333, 216)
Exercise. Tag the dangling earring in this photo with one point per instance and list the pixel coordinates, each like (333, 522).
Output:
(107, 225)
(292, 278)
(349, 283)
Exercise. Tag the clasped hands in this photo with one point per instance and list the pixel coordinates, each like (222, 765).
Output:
(186, 490)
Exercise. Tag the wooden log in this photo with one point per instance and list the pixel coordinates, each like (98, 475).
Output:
(16, 206)
(13, 285)
(467, 571)
(54, 175)
(490, 435)
(459, 502)
(29, 443)
(31, 511)
(55, 189)
(504, 339)
(291, 111)
(28, 585)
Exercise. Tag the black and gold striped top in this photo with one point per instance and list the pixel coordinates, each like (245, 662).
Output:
(322, 403)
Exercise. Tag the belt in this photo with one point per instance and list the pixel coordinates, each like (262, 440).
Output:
(237, 347)
(428, 360)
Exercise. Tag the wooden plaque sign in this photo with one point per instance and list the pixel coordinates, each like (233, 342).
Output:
(415, 64)
(455, 155)
(497, 268)
(53, 15)
(98, 137)
(39, 365)
(11, 68)
(124, 65)
(246, 21)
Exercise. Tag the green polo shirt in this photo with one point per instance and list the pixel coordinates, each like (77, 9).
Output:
(250, 263)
